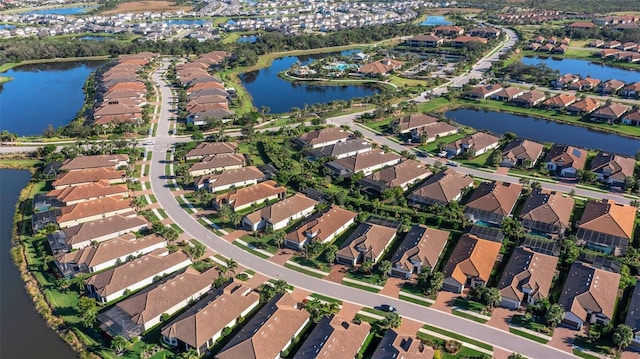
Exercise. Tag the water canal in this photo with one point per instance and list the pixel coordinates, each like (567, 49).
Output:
(585, 68)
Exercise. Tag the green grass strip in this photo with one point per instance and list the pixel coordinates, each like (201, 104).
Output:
(535, 338)
(459, 337)
(325, 298)
(414, 300)
(363, 287)
(303, 271)
(468, 316)
(252, 251)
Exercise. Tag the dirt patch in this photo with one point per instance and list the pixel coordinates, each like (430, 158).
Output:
(142, 6)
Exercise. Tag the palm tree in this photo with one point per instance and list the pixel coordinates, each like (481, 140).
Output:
(189, 354)
(384, 267)
(119, 343)
(278, 238)
(197, 251)
(391, 320)
(330, 253)
(230, 267)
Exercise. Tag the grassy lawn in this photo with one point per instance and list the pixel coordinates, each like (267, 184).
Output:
(432, 147)
(469, 305)
(414, 300)
(250, 250)
(312, 263)
(438, 104)
(382, 126)
(457, 337)
(325, 298)
(363, 287)
(523, 334)
(304, 271)
(598, 346)
(468, 316)
(582, 354)
(374, 278)
(531, 325)
(18, 163)
(437, 342)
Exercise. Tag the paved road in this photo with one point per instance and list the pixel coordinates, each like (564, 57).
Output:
(195, 230)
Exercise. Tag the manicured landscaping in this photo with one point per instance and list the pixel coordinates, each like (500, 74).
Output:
(303, 271)
(457, 337)
(359, 286)
(463, 353)
(414, 300)
(468, 316)
(524, 334)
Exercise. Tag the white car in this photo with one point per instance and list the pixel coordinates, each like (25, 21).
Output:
(442, 154)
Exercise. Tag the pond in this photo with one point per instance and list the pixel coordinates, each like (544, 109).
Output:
(197, 22)
(7, 27)
(94, 38)
(21, 326)
(267, 89)
(250, 39)
(585, 68)
(43, 94)
(542, 130)
(435, 21)
(60, 11)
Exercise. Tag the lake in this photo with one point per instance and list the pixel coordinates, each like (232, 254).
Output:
(585, 68)
(544, 130)
(60, 11)
(435, 21)
(248, 38)
(24, 333)
(198, 22)
(43, 94)
(7, 27)
(267, 89)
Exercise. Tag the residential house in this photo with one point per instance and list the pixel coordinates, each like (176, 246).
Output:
(322, 227)
(280, 214)
(565, 160)
(380, 68)
(583, 106)
(79, 178)
(324, 137)
(204, 115)
(492, 202)
(529, 99)
(611, 87)
(114, 283)
(476, 144)
(92, 210)
(508, 94)
(565, 80)
(633, 317)
(585, 84)
(242, 198)
(448, 30)
(403, 175)
(606, 226)
(461, 41)
(92, 191)
(483, 92)
(396, 345)
(425, 41)
(236, 178)
(144, 310)
(631, 118)
(334, 337)
(560, 101)
(547, 212)
(367, 243)
(202, 325)
(423, 128)
(589, 295)
(366, 163)
(420, 248)
(581, 25)
(217, 163)
(107, 254)
(97, 161)
(613, 169)
(610, 113)
(486, 32)
(471, 263)
(269, 332)
(442, 188)
(631, 90)
(521, 153)
(340, 150)
(527, 278)
(206, 149)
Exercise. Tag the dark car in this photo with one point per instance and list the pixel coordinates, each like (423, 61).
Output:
(388, 308)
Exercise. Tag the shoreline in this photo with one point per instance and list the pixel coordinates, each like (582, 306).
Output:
(45, 7)
(10, 65)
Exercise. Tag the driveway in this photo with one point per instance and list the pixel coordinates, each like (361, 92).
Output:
(563, 339)
(444, 301)
(500, 318)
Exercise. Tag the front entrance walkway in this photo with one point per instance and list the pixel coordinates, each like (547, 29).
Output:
(563, 339)
(392, 287)
(282, 256)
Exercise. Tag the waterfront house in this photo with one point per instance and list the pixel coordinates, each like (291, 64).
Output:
(476, 144)
(280, 214)
(334, 337)
(235, 178)
(269, 332)
(246, 197)
(135, 315)
(365, 162)
(92, 210)
(380, 68)
(483, 92)
(631, 118)
(508, 94)
(527, 278)
(396, 345)
(585, 84)
(461, 41)
(448, 30)
(420, 249)
(547, 212)
(471, 263)
(203, 324)
(584, 106)
(425, 41)
(565, 160)
(83, 177)
(521, 152)
(631, 90)
(322, 227)
(324, 137)
(107, 254)
(367, 243)
(206, 149)
(609, 113)
(442, 188)
(589, 295)
(97, 161)
(606, 226)
(529, 99)
(201, 117)
(96, 190)
(423, 128)
(217, 163)
(633, 317)
(560, 101)
(340, 150)
(613, 169)
(403, 175)
(611, 87)
(491, 202)
(565, 80)
(114, 283)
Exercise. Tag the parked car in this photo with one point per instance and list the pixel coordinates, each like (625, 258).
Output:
(453, 163)
(388, 308)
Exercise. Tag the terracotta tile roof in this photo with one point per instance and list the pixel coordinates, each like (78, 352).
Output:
(368, 241)
(364, 161)
(334, 338)
(321, 226)
(268, 331)
(613, 166)
(229, 177)
(84, 192)
(128, 274)
(97, 161)
(211, 314)
(415, 120)
(428, 38)
(609, 217)
(485, 90)
(531, 97)
(582, 24)
(114, 226)
(381, 67)
(247, 195)
(131, 85)
(421, 245)
(442, 187)
(472, 257)
(325, 135)
(83, 210)
(561, 100)
(509, 92)
(548, 207)
(587, 104)
(476, 141)
(341, 149)
(284, 209)
(466, 39)
(589, 290)
(527, 271)
(212, 148)
(567, 156)
(104, 252)
(396, 345)
(401, 174)
(521, 149)
(116, 109)
(495, 197)
(614, 111)
(205, 85)
(207, 99)
(219, 162)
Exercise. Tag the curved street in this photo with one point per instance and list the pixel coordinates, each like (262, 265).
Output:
(166, 199)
